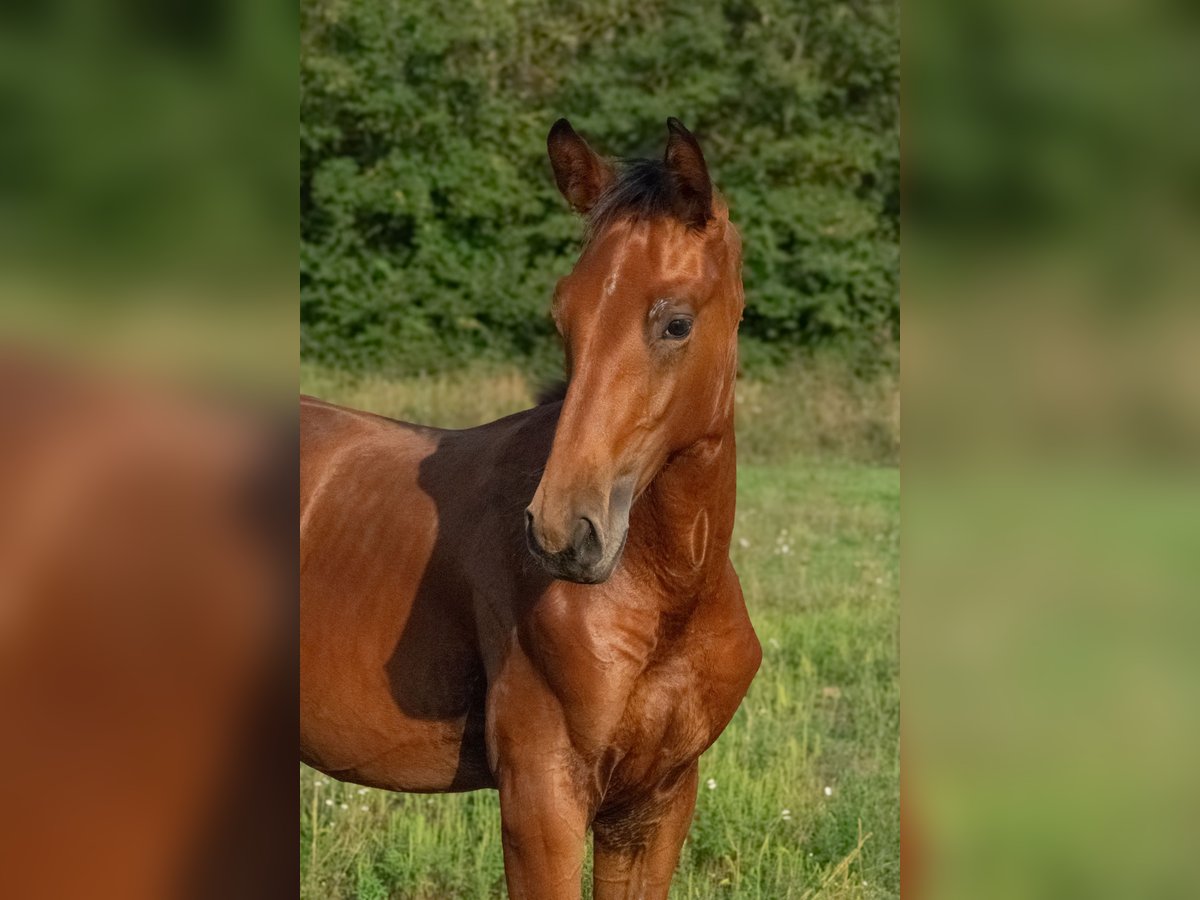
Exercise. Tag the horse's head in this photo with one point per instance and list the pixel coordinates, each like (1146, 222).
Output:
(649, 319)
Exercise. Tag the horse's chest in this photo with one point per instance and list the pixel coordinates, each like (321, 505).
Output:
(669, 721)
(637, 707)
(657, 718)
(681, 705)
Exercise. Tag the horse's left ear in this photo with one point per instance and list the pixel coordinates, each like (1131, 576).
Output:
(686, 164)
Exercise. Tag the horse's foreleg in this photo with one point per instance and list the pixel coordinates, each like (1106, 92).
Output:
(544, 825)
(637, 849)
(543, 802)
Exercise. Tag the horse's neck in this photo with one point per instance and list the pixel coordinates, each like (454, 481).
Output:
(682, 523)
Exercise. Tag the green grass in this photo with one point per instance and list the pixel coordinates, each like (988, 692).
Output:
(816, 545)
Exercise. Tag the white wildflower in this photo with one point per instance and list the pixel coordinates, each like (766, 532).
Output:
(344, 806)
(786, 815)
(828, 791)
(329, 803)
(711, 784)
(743, 543)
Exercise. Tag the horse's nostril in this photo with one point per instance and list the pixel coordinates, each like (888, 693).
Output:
(529, 535)
(586, 541)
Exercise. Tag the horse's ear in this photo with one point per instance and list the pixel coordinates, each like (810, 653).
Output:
(686, 164)
(581, 175)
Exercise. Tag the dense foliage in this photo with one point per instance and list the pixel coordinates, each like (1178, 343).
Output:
(431, 229)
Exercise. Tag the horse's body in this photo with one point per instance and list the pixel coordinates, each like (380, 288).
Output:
(585, 678)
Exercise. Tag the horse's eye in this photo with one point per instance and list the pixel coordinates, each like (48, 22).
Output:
(679, 328)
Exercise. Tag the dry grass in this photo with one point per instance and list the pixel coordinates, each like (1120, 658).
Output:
(822, 410)
(453, 400)
(815, 410)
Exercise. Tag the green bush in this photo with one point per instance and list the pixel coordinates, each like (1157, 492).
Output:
(431, 229)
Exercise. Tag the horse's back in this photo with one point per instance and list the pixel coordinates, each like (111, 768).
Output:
(329, 432)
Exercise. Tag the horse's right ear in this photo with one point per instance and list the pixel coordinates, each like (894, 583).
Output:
(581, 175)
(686, 165)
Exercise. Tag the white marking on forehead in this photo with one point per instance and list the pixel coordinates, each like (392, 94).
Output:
(619, 258)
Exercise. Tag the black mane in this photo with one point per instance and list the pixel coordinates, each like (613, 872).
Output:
(642, 189)
(552, 392)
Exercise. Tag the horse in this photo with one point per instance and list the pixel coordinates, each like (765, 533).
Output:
(545, 605)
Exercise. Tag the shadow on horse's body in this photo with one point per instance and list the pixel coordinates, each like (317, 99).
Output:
(416, 531)
(545, 604)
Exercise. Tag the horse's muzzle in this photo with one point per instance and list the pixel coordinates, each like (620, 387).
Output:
(582, 560)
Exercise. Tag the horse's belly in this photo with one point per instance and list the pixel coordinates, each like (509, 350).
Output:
(400, 711)
(427, 757)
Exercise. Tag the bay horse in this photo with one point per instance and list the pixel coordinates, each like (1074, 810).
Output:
(545, 604)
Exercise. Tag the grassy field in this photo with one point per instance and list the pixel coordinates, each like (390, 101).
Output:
(800, 797)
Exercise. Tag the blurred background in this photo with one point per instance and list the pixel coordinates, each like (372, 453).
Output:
(1052, 438)
(147, 457)
(432, 234)
(147, 186)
